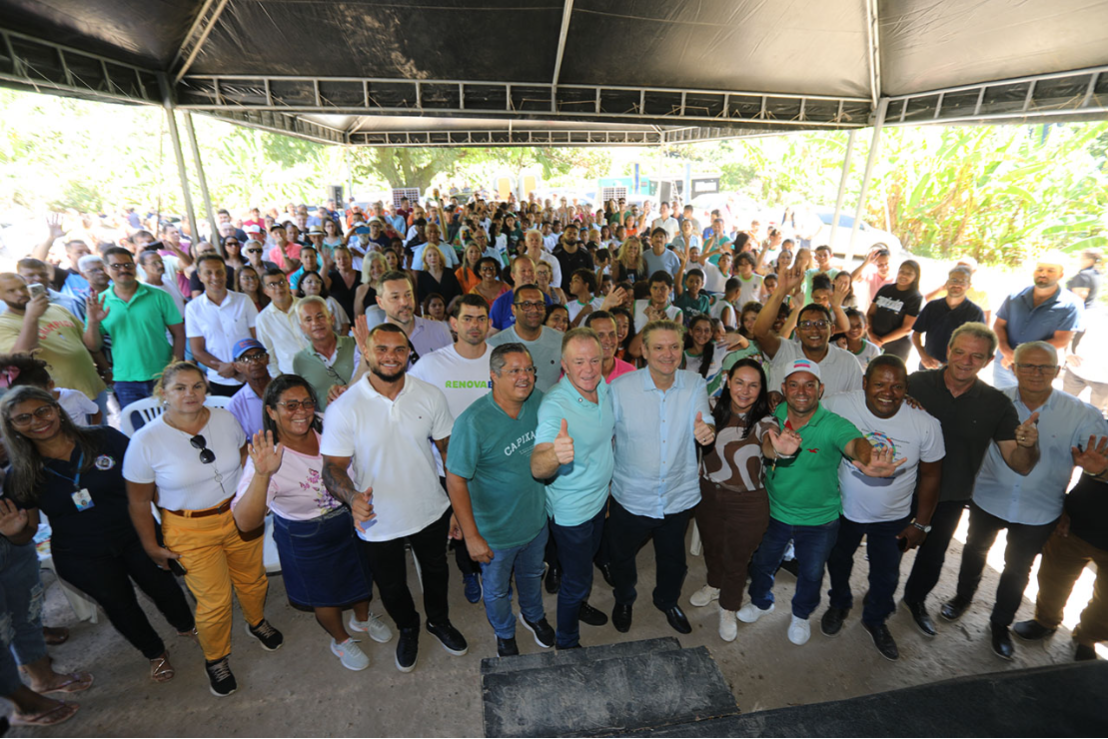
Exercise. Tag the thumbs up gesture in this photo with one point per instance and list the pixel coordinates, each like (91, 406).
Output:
(704, 433)
(361, 507)
(1027, 433)
(563, 444)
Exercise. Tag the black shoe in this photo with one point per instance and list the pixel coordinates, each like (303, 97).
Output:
(677, 620)
(883, 640)
(553, 580)
(221, 679)
(954, 608)
(1084, 653)
(922, 618)
(606, 573)
(270, 638)
(1002, 642)
(506, 647)
(1031, 630)
(791, 566)
(563, 649)
(592, 616)
(407, 649)
(450, 638)
(832, 622)
(544, 634)
(621, 618)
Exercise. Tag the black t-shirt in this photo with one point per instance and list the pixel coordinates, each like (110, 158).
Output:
(61, 274)
(937, 322)
(970, 423)
(342, 294)
(1088, 278)
(580, 259)
(893, 304)
(1087, 506)
(104, 526)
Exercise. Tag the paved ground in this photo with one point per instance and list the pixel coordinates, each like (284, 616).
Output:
(302, 690)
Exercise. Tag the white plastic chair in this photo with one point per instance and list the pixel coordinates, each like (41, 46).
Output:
(217, 401)
(147, 408)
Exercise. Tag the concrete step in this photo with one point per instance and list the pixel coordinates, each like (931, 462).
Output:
(628, 688)
(553, 657)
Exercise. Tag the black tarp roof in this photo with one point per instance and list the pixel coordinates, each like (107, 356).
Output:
(625, 66)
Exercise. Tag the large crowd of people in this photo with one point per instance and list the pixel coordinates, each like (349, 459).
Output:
(533, 389)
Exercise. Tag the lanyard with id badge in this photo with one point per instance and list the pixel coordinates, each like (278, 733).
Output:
(81, 497)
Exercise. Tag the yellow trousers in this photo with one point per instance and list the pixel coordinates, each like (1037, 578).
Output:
(217, 558)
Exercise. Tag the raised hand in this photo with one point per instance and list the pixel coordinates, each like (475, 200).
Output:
(839, 293)
(1027, 433)
(563, 445)
(786, 442)
(95, 310)
(265, 454)
(54, 224)
(1094, 457)
(13, 520)
(361, 333)
(361, 507)
(881, 463)
(615, 298)
(704, 433)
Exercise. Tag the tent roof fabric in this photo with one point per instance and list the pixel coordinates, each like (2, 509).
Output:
(656, 69)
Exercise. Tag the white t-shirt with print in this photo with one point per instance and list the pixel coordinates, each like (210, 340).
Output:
(461, 380)
(839, 369)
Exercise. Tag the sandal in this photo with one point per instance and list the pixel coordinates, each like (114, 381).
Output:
(55, 635)
(75, 683)
(191, 634)
(160, 669)
(56, 715)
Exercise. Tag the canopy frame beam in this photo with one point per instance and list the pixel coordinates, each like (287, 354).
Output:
(195, 38)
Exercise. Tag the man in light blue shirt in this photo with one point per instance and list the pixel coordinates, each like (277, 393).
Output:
(573, 454)
(658, 258)
(661, 414)
(1028, 506)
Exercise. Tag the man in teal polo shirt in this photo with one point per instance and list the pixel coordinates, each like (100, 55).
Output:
(573, 453)
(499, 506)
(802, 480)
(136, 316)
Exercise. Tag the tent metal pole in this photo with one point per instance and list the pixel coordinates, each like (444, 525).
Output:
(191, 131)
(567, 11)
(175, 137)
(874, 147)
(842, 184)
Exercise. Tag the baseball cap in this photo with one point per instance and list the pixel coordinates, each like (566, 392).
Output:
(803, 365)
(253, 228)
(245, 345)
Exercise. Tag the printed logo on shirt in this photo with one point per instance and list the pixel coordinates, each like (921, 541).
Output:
(104, 463)
(881, 440)
(527, 440)
(894, 305)
(467, 384)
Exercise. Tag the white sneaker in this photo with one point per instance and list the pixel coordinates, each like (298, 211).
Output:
(704, 596)
(750, 613)
(377, 629)
(728, 627)
(350, 654)
(799, 631)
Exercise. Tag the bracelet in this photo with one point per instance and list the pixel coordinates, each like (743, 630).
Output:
(781, 456)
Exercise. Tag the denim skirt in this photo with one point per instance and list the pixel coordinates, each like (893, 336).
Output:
(321, 562)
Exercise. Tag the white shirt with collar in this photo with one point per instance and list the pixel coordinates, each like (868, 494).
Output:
(221, 326)
(388, 442)
(427, 336)
(670, 224)
(281, 335)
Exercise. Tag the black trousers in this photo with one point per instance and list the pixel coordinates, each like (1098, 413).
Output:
(1025, 542)
(107, 577)
(928, 565)
(390, 572)
(627, 533)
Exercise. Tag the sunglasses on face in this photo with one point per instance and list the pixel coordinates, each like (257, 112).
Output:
(253, 251)
(207, 456)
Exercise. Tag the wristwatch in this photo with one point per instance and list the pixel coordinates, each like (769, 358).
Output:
(921, 527)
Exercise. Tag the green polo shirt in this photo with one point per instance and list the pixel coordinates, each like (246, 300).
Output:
(140, 350)
(804, 491)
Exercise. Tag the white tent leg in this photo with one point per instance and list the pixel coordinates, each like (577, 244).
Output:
(191, 131)
(175, 138)
(874, 147)
(842, 186)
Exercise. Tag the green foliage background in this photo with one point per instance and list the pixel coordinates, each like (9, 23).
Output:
(999, 193)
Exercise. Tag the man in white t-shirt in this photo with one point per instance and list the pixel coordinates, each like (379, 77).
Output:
(839, 369)
(377, 459)
(461, 371)
(667, 222)
(880, 509)
(215, 322)
(657, 307)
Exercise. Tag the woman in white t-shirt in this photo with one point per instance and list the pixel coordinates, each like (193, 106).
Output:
(191, 458)
(323, 567)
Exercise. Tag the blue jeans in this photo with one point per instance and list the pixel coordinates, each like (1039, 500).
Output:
(884, 566)
(577, 545)
(129, 392)
(496, 577)
(21, 598)
(101, 401)
(812, 545)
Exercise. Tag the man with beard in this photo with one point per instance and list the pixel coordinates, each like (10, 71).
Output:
(542, 342)
(940, 317)
(381, 425)
(396, 297)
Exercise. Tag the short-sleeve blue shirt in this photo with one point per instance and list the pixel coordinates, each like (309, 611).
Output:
(1062, 311)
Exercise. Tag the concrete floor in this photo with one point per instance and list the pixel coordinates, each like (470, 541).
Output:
(302, 690)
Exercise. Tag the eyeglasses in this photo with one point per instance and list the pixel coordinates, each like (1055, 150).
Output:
(1037, 369)
(514, 373)
(292, 406)
(122, 267)
(253, 358)
(43, 413)
(230, 242)
(813, 324)
(207, 456)
(253, 251)
(530, 305)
